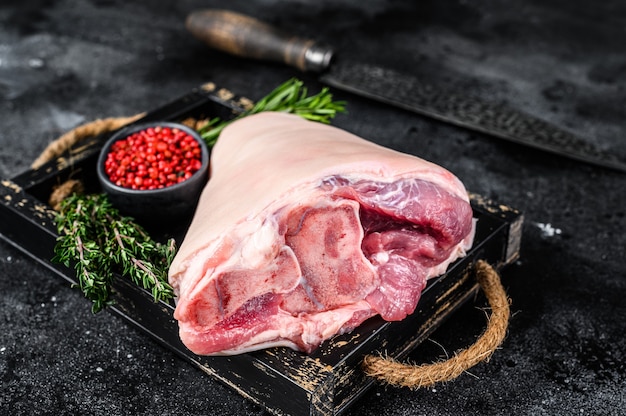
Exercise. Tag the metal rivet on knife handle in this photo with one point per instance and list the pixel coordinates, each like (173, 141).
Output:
(247, 37)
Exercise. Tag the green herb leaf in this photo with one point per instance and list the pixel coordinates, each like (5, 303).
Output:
(289, 97)
(99, 241)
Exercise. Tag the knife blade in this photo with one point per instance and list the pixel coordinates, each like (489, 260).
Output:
(247, 37)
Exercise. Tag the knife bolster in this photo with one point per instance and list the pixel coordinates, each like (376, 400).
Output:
(247, 37)
(317, 58)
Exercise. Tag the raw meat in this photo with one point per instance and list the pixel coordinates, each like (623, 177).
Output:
(304, 231)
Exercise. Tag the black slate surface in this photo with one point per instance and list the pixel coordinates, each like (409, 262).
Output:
(67, 62)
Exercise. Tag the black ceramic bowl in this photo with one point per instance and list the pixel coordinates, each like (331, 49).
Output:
(172, 203)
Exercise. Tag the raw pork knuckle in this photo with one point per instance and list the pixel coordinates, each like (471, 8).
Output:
(304, 231)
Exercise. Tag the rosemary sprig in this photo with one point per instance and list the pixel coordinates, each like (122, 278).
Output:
(289, 97)
(99, 241)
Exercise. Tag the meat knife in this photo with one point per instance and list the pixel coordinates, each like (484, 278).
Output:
(244, 36)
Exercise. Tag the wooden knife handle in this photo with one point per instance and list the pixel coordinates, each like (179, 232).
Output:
(247, 37)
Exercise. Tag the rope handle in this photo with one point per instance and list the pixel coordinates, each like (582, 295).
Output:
(79, 133)
(398, 374)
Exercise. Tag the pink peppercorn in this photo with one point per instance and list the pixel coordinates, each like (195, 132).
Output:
(153, 158)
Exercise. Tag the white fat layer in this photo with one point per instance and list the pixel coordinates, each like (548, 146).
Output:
(249, 348)
(261, 246)
(380, 258)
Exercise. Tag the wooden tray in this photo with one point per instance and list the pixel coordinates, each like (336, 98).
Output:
(283, 381)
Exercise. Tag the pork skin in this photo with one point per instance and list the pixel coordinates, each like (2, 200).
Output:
(304, 231)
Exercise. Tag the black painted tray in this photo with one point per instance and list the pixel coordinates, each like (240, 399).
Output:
(283, 381)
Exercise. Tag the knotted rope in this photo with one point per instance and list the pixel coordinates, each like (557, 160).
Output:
(76, 135)
(395, 373)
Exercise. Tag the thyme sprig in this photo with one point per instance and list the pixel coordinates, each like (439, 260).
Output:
(98, 241)
(289, 97)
